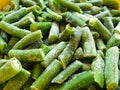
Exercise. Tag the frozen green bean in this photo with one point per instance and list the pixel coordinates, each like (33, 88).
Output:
(28, 3)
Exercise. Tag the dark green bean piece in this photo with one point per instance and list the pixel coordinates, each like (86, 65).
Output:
(111, 68)
(100, 28)
(84, 79)
(28, 3)
(54, 33)
(53, 53)
(53, 7)
(73, 19)
(15, 4)
(43, 81)
(98, 70)
(15, 16)
(117, 28)
(55, 16)
(88, 43)
(63, 75)
(12, 30)
(43, 26)
(114, 40)
(28, 39)
(69, 50)
(85, 6)
(101, 45)
(108, 23)
(96, 2)
(37, 70)
(67, 33)
(3, 44)
(10, 69)
(103, 14)
(18, 81)
(78, 54)
(68, 5)
(45, 48)
(31, 55)
(115, 13)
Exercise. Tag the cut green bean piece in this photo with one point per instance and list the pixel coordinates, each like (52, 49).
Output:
(95, 10)
(15, 16)
(28, 3)
(13, 30)
(45, 48)
(114, 40)
(63, 75)
(54, 33)
(84, 79)
(115, 13)
(108, 23)
(41, 3)
(69, 50)
(73, 19)
(46, 16)
(43, 26)
(3, 44)
(67, 33)
(101, 45)
(17, 81)
(100, 28)
(43, 81)
(10, 69)
(37, 70)
(53, 53)
(88, 43)
(53, 7)
(85, 6)
(28, 39)
(1, 16)
(32, 55)
(117, 28)
(103, 14)
(78, 54)
(55, 16)
(98, 69)
(95, 34)
(111, 68)
(68, 5)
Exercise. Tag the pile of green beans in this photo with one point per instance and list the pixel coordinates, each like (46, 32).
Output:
(60, 45)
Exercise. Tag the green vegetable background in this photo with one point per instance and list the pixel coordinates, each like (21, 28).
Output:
(60, 45)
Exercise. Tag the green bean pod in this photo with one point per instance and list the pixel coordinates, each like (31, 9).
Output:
(111, 68)
(63, 75)
(96, 2)
(10, 69)
(1, 16)
(54, 33)
(114, 40)
(67, 4)
(17, 81)
(43, 81)
(73, 19)
(53, 53)
(84, 79)
(37, 70)
(15, 16)
(28, 39)
(32, 55)
(28, 3)
(98, 69)
(69, 50)
(3, 44)
(67, 33)
(88, 43)
(13, 30)
(115, 13)
(100, 28)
